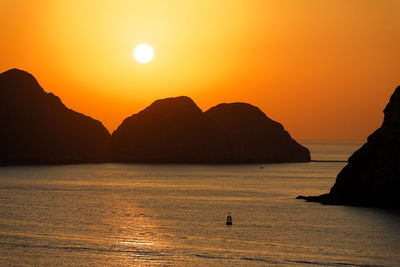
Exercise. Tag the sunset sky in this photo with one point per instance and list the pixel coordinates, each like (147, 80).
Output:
(324, 69)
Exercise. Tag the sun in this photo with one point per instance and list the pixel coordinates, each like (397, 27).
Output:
(143, 53)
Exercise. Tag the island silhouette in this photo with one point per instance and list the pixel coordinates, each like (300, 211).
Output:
(254, 136)
(175, 130)
(371, 176)
(39, 129)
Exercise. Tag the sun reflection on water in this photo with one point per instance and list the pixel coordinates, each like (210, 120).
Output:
(135, 232)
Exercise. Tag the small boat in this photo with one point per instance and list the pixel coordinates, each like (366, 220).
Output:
(229, 219)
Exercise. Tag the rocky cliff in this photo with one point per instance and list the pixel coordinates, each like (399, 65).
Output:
(171, 130)
(175, 130)
(255, 137)
(372, 175)
(38, 129)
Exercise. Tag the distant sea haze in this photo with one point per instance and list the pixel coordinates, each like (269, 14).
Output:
(39, 129)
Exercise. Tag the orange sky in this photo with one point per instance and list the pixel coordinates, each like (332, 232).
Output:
(324, 69)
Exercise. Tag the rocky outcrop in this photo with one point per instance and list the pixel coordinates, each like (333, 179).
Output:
(175, 130)
(372, 175)
(38, 129)
(171, 130)
(255, 137)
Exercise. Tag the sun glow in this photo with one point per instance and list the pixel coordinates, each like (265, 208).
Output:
(273, 54)
(143, 53)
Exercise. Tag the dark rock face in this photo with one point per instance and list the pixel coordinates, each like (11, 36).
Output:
(38, 129)
(172, 130)
(175, 130)
(372, 175)
(255, 137)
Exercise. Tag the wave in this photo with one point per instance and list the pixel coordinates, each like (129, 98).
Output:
(230, 258)
(79, 248)
(274, 262)
(333, 263)
(212, 257)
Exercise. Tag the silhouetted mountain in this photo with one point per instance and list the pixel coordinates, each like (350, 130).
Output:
(372, 175)
(171, 130)
(36, 127)
(256, 138)
(176, 130)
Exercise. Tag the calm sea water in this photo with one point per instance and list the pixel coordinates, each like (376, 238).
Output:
(129, 215)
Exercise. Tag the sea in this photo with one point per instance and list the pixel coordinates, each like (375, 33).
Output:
(174, 215)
